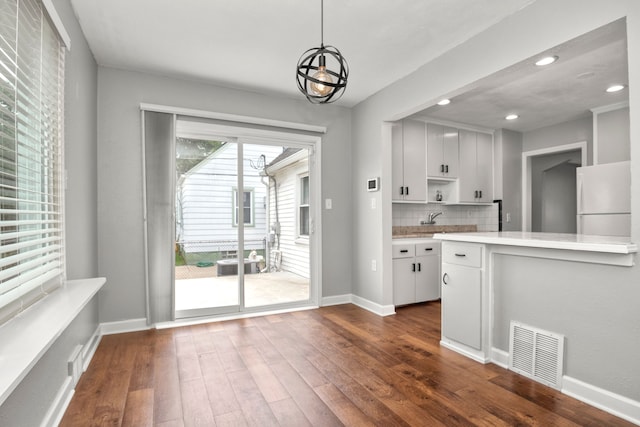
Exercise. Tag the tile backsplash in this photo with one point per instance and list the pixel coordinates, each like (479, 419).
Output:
(485, 217)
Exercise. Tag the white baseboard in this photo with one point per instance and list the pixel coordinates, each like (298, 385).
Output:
(89, 349)
(612, 403)
(59, 404)
(500, 357)
(600, 398)
(122, 326)
(336, 300)
(380, 310)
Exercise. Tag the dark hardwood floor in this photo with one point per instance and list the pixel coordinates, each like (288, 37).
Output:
(333, 366)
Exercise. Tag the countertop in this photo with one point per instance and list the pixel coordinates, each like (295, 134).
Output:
(427, 231)
(573, 242)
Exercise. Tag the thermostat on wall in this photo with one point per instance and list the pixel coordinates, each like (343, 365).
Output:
(373, 184)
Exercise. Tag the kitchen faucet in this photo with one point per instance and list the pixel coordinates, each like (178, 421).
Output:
(431, 218)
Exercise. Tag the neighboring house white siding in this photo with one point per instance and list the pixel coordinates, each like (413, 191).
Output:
(294, 248)
(205, 201)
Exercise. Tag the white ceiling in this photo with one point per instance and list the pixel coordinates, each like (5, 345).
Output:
(256, 44)
(544, 96)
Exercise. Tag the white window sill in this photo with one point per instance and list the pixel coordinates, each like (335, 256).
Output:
(45, 322)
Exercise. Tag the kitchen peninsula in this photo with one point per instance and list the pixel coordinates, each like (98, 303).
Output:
(554, 282)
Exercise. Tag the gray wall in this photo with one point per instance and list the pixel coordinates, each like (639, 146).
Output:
(509, 160)
(28, 404)
(559, 201)
(539, 166)
(594, 306)
(612, 311)
(564, 133)
(120, 200)
(613, 136)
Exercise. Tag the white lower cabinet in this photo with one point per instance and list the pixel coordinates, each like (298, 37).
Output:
(416, 272)
(462, 294)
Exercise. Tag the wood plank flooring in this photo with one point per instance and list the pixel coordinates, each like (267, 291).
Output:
(332, 366)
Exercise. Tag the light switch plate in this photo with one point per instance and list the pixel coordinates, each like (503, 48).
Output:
(328, 204)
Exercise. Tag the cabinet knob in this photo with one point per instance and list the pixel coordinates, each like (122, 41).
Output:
(445, 277)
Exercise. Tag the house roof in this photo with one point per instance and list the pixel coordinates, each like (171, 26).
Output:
(288, 157)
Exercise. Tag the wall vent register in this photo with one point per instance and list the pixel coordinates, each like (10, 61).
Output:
(536, 354)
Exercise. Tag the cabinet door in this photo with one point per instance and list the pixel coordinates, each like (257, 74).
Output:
(467, 184)
(462, 304)
(404, 281)
(484, 166)
(427, 278)
(450, 151)
(397, 167)
(415, 158)
(435, 154)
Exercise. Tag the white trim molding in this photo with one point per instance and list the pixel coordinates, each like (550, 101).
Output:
(612, 403)
(375, 308)
(526, 173)
(123, 326)
(232, 118)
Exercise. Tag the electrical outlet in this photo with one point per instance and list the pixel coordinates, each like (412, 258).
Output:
(508, 216)
(373, 203)
(374, 265)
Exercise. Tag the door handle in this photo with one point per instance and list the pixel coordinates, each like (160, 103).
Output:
(406, 191)
(419, 267)
(442, 168)
(446, 168)
(413, 267)
(444, 278)
(402, 191)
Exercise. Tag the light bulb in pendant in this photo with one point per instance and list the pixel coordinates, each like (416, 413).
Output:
(322, 75)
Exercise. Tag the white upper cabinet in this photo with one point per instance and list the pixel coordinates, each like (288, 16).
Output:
(408, 151)
(442, 151)
(476, 167)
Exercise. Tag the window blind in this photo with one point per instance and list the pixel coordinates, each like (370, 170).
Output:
(31, 120)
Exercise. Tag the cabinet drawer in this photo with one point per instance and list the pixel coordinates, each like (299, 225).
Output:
(431, 248)
(466, 254)
(404, 250)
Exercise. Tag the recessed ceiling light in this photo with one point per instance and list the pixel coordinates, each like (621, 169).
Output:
(511, 117)
(444, 102)
(615, 88)
(547, 60)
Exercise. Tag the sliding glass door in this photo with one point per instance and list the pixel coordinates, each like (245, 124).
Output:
(242, 224)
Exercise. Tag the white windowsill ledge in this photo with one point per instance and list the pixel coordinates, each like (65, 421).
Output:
(27, 337)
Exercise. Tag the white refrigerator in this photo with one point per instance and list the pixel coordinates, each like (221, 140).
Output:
(604, 199)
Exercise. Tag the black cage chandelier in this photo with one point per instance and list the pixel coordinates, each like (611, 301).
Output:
(322, 72)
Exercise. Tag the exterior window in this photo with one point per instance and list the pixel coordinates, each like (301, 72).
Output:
(31, 120)
(247, 207)
(303, 207)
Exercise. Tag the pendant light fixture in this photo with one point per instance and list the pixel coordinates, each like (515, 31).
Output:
(322, 72)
